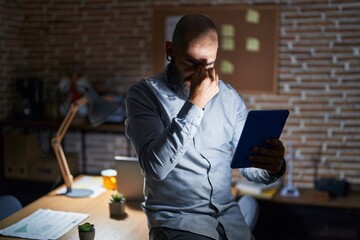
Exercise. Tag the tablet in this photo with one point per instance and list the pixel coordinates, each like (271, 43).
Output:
(259, 126)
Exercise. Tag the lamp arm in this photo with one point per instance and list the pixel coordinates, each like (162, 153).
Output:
(56, 141)
(74, 107)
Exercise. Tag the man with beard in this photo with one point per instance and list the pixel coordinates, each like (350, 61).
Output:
(183, 125)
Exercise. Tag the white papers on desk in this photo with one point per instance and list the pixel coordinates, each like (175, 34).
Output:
(44, 224)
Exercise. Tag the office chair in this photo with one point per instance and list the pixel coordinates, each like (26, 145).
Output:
(250, 210)
(8, 205)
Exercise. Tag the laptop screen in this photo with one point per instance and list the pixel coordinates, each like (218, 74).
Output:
(129, 178)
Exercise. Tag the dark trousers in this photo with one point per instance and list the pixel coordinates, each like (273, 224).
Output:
(163, 233)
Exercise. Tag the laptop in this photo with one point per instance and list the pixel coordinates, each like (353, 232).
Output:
(129, 178)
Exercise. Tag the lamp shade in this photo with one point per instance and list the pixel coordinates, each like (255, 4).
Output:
(99, 109)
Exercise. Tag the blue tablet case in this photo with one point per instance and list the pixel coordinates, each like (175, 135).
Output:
(259, 126)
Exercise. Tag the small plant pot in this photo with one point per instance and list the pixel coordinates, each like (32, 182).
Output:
(117, 209)
(87, 235)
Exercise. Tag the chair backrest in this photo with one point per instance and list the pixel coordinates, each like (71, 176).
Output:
(8, 205)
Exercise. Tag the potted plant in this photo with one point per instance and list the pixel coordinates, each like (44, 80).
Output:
(117, 205)
(86, 231)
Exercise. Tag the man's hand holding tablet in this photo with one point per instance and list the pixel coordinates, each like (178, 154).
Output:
(259, 145)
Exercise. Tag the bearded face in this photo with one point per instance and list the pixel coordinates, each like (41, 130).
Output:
(188, 59)
(177, 82)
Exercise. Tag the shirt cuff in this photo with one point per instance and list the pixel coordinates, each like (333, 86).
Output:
(281, 172)
(191, 113)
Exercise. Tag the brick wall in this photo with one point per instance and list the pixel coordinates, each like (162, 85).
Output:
(110, 41)
(319, 76)
(11, 20)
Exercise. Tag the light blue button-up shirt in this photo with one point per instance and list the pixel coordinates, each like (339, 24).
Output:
(185, 153)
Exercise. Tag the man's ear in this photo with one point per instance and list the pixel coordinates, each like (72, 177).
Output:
(169, 50)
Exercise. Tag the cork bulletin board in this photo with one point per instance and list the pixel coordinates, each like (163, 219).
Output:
(248, 40)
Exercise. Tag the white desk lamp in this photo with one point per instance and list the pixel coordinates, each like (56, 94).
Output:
(290, 190)
(98, 112)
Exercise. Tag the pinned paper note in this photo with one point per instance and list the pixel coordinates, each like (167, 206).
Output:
(227, 44)
(226, 67)
(252, 44)
(227, 37)
(252, 16)
(227, 30)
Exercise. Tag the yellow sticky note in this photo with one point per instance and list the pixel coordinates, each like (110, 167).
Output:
(252, 16)
(252, 44)
(226, 67)
(227, 44)
(227, 30)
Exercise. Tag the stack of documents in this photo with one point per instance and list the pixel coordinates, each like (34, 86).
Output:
(45, 224)
(258, 189)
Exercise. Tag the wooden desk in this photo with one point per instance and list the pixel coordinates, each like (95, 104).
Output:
(133, 227)
(310, 216)
(315, 198)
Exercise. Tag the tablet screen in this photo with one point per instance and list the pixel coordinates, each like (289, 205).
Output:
(259, 126)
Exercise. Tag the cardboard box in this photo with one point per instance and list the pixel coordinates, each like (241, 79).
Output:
(23, 159)
(18, 148)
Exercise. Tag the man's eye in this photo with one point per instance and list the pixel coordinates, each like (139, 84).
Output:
(190, 63)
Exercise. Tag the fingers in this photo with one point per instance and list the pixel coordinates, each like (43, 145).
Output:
(199, 75)
(204, 86)
(269, 158)
(275, 149)
(271, 165)
(275, 143)
(268, 152)
(212, 75)
(203, 74)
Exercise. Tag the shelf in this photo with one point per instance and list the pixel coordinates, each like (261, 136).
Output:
(8, 185)
(78, 124)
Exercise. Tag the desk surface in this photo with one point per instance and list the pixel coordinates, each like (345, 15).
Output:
(320, 199)
(133, 227)
(311, 197)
